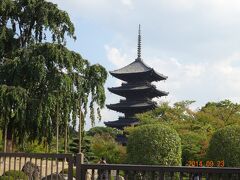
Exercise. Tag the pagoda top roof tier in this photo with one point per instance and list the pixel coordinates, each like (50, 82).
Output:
(135, 69)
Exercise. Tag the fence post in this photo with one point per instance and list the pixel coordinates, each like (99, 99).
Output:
(80, 172)
(70, 167)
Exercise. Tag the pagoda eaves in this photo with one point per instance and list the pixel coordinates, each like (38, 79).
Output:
(137, 70)
(132, 107)
(144, 90)
(137, 90)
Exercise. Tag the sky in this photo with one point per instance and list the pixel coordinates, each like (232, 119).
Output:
(196, 43)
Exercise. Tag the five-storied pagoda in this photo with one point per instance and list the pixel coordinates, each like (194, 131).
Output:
(137, 89)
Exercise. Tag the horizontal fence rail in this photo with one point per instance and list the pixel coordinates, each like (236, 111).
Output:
(148, 172)
(36, 166)
(66, 166)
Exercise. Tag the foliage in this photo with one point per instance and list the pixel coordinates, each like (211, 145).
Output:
(225, 111)
(39, 69)
(30, 21)
(194, 127)
(194, 147)
(86, 148)
(6, 178)
(13, 101)
(103, 130)
(32, 147)
(45, 82)
(166, 113)
(154, 144)
(225, 145)
(16, 174)
(106, 146)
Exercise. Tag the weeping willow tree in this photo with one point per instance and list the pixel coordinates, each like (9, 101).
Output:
(43, 85)
(13, 101)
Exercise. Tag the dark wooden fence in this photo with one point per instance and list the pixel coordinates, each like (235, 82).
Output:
(67, 166)
(148, 172)
(45, 166)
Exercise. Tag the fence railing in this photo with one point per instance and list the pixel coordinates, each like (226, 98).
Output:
(67, 166)
(149, 172)
(36, 166)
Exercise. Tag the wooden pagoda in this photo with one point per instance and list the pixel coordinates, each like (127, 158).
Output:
(137, 89)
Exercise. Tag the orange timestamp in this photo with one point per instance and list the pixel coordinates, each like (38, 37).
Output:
(208, 163)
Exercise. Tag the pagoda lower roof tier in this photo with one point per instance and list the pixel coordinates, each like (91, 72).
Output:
(132, 106)
(144, 90)
(137, 71)
(122, 122)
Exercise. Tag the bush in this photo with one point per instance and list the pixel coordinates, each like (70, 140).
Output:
(6, 178)
(225, 145)
(102, 131)
(154, 144)
(194, 146)
(16, 174)
(106, 146)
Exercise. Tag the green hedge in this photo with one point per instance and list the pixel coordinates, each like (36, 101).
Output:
(225, 145)
(6, 178)
(16, 174)
(154, 144)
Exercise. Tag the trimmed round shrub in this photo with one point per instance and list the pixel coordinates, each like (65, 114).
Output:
(225, 145)
(154, 144)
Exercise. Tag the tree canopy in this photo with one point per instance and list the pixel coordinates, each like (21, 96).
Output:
(30, 21)
(39, 76)
(195, 127)
(104, 145)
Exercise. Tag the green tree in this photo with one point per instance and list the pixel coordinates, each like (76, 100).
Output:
(194, 127)
(181, 118)
(226, 112)
(225, 145)
(13, 101)
(103, 130)
(154, 144)
(56, 81)
(30, 21)
(194, 146)
(168, 114)
(106, 146)
(86, 148)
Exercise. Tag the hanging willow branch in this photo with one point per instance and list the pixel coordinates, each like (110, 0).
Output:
(54, 75)
(49, 73)
(13, 102)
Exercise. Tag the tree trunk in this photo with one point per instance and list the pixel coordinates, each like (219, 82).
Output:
(57, 124)
(9, 141)
(5, 139)
(80, 129)
(66, 138)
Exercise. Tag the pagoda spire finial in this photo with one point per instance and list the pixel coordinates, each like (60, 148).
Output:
(139, 43)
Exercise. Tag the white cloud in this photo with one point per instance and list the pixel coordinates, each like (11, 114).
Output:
(115, 57)
(127, 2)
(194, 42)
(202, 82)
(217, 8)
